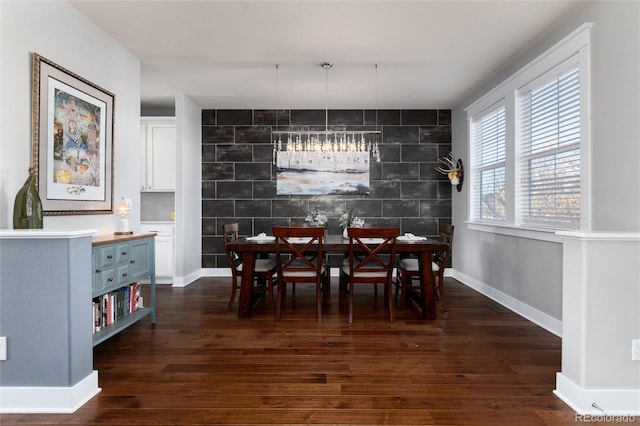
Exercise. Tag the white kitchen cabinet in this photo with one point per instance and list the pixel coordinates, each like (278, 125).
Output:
(164, 248)
(158, 140)
(165, 256)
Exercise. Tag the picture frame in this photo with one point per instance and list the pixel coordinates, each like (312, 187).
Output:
(72, 141)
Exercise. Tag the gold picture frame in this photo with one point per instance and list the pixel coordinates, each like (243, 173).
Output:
(72, 141)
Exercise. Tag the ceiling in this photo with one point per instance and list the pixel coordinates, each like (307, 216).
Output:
(223, 54)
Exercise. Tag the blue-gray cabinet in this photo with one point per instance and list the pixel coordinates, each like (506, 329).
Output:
(118, 261)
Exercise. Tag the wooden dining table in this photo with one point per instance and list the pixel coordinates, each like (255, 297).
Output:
(422, 248)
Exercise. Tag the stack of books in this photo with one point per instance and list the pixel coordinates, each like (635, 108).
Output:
(114, 306)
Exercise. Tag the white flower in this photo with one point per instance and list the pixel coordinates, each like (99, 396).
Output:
(349, 219)
(316, 218)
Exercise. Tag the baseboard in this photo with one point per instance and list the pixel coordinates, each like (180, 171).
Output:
(600, 405)
(216, 272)
(187, 279)
(36, 399)
(545, 321)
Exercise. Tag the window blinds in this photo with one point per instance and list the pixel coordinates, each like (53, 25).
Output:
(549, 188)
(489, 166)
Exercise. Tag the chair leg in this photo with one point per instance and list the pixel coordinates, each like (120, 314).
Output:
(281, 287)
(441, 290)
(404, 289)
(319, 300)
(350, 302)
(388, 300)
(273, 305)
(234, 286)
(342, 290)
(326, 290)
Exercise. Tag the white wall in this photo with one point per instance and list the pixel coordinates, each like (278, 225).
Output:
(529, 270)
(188, 191)
(57, 31)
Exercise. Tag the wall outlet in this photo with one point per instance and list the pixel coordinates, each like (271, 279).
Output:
(635, 350)
(3, 348)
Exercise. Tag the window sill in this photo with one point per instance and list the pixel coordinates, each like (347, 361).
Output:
(513, 231)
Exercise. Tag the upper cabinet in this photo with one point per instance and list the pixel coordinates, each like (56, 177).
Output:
(158, 135)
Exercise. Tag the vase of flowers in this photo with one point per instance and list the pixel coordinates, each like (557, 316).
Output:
(315, 218)
(351, 219)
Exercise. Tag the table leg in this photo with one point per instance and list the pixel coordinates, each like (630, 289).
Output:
(248, 264)
(427, 286)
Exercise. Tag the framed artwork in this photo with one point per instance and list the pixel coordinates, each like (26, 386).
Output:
(343, 173)
(72, 126)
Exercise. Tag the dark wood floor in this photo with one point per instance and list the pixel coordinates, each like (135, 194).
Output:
(201, 365)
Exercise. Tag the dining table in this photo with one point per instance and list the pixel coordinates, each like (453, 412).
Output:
(423, 248)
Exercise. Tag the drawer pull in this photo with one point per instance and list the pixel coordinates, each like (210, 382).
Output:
(124, 253)
(125, 275)
(133, 261)
(98, 271)
(109, 256)
(109, 279)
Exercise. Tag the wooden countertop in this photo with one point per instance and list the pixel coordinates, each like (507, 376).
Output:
(111, 238)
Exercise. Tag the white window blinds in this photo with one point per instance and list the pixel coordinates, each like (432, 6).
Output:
(549, 187)
(488, 196)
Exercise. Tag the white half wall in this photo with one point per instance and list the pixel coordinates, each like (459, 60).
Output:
(601, 300)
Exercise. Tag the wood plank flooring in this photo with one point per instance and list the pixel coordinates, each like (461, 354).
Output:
(201, 365)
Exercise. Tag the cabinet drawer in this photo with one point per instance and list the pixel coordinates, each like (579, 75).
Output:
(107, 280)
(123, 275)
(107, 256)
(122, 254)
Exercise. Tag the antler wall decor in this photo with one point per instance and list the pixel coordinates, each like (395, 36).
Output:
(453, 168)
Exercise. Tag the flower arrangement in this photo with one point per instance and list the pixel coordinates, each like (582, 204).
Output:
(350, 219)
(315, 218)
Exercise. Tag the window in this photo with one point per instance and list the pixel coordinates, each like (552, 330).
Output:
(489, 170)
(528, 145)
(550, 153)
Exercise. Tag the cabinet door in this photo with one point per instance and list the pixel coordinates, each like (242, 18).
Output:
(144, 185)
(165, 256)
(161, 156)
(141, 252)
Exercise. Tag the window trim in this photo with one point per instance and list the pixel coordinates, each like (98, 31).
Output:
(575, 45)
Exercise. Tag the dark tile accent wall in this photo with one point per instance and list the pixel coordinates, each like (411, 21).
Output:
(238, 179)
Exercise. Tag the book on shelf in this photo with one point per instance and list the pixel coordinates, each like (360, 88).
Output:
(115, 305)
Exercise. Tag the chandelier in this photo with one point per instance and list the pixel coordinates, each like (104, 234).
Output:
(327, 150)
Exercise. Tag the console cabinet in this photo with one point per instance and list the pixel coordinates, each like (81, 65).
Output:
(118, 261)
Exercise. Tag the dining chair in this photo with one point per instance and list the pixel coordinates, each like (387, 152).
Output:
(371, 260)
(299, 259)
(408, 268)
(264, 269)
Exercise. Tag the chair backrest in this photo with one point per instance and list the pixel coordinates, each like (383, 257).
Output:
(300, 225)
(230, 235)
(446, 236)
(299, 253)
(372, 253)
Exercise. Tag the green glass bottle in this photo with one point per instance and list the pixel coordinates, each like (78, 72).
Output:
(27, 209)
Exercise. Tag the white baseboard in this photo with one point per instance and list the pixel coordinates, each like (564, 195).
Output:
(187, 279)
(215, 272)
(545, 321)
(601, 405)
(36, 399)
